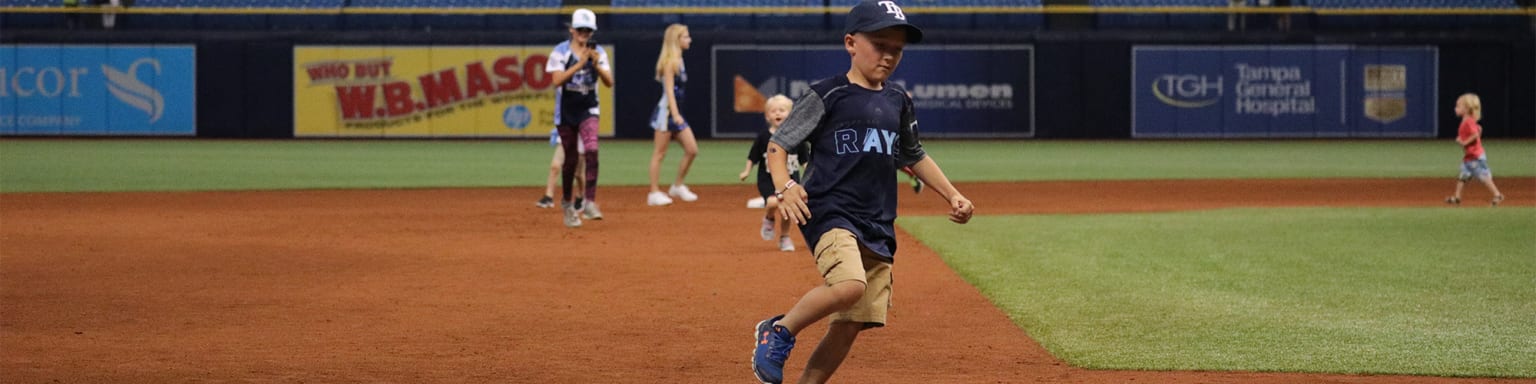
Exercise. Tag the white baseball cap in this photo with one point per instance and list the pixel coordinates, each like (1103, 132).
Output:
(584, 18)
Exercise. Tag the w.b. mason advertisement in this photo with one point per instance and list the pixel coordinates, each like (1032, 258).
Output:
(428, 91)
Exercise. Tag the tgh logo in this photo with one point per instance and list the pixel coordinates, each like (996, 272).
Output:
(1187, 91)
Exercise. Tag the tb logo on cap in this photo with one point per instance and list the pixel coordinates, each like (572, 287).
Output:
(891, 8)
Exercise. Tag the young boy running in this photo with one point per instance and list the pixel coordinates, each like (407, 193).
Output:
(862, 129)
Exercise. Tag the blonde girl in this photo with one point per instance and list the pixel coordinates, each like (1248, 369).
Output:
(667, 120)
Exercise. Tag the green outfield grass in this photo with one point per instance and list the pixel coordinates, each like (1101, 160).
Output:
(1427, 291)
(50, 165)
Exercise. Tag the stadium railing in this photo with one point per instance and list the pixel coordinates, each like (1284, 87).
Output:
(1007, 15)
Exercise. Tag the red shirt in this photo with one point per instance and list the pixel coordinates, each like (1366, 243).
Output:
(1468, 128)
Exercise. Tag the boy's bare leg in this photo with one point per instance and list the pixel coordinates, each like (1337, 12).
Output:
(554, 177)
(1459, 186)
(1488, 182)
(770, 214)
(831, 352)
(821, 302)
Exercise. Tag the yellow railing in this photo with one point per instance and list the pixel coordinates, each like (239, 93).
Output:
(1054, 9)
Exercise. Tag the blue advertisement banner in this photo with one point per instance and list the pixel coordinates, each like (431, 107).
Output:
(970, 91)
(1283, 91)
(145, 90)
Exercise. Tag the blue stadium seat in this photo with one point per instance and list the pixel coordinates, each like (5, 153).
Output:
(1419, 21)
(1129, 20)
(1197, 21)
(741, 20)
(32, 3)
(166, 21)
(1346, 22)
(376, 21)
(309, 22)
(526, 22)
(1012, 21)
(645, 20)
(945, 20)
(31, 20)
(787, 20)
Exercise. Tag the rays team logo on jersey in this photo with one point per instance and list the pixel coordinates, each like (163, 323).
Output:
(1187, 91)
(874, 140)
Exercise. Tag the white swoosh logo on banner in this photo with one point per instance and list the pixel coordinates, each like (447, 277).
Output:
(131, 91)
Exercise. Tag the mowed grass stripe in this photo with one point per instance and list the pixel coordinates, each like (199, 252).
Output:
(1431, 291)
(65, 165)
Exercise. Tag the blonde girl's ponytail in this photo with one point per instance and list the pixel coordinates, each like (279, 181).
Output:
(671, 47)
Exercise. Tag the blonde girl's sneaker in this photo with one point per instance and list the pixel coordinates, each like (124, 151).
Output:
(545, 202)
(1496, 200)
(786, 245)
(657, 199)
(1453, 200)
(682, 192)
(767, 230)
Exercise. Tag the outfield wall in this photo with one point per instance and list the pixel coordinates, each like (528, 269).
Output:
(1080, 83)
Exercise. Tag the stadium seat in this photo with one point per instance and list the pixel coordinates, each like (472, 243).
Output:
(31, 20)
(1419, 21)
(309, 22)
(1129, 20)
(1195, 20)
(718, 20)
(644, 21)
(788, 20)
(1023, 21)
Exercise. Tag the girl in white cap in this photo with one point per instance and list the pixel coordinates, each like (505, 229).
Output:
(576, 65)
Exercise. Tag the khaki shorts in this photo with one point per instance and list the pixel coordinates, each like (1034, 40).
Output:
(840, 258)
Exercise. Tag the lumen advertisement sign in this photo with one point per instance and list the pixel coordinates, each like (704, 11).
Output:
(958, 90)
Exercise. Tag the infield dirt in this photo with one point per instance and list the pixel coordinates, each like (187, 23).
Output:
(478, 285)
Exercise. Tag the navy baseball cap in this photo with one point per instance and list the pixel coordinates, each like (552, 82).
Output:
(870, 16)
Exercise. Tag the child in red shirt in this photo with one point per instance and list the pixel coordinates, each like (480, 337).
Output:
(1475, 161)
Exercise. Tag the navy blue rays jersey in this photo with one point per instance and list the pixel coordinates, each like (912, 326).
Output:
(859, 138)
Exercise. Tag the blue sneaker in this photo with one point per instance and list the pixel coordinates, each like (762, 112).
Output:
(772, 349)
